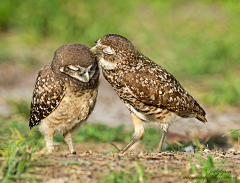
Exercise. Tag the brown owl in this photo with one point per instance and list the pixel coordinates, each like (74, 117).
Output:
(149, 91)
(65, 93)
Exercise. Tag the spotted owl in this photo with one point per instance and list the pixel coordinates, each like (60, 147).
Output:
(65, 93)
(149, 91)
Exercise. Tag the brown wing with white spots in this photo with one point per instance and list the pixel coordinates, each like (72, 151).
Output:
(47, 95)
(153, 85)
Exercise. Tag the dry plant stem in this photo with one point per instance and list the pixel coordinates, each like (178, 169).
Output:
(115, 146)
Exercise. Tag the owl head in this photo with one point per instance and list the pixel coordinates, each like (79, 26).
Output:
(113, 49)
(75, 61)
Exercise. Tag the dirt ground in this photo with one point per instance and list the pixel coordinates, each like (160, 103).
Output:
(94, 162)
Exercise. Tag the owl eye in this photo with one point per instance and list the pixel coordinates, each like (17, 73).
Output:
(73, 67)
(108, 51)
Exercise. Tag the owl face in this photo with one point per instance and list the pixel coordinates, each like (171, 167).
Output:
(113, 49)
(75, 61)
(83, 74)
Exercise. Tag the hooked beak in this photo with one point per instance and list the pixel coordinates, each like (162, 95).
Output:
(86, 76)
(94, 50)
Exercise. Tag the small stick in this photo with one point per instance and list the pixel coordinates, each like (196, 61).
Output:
(115, 146)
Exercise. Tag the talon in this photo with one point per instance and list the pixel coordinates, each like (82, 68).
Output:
(121, 153)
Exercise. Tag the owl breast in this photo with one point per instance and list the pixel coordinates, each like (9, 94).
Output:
(73, 110)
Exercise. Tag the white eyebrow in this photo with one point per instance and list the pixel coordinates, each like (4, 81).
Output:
(73, 67)
(108, 50)
(61, 69)
(89, 67)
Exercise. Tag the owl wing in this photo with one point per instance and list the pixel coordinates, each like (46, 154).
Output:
(153, 85)
(47, 95)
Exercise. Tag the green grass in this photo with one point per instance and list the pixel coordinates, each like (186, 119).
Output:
(19, 157)
(208, 171)
(235, 134)
(129, 175)
(197, 41)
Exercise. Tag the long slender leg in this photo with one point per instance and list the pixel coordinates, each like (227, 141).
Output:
(139, 130)
(49, 142)
(164, 128)
(161, 141)
(68, 138)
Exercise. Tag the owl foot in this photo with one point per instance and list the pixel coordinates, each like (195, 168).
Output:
(47, 150)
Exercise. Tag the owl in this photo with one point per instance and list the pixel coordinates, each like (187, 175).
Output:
(65, 93)
(149, 91)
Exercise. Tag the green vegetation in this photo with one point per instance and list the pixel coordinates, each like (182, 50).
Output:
(197, 41)
(206, 169)
(235, 134)
(209, 172)
(19, 156)
(129, 175)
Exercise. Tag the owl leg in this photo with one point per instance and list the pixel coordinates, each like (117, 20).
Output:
(139, 130)
(68, 138)
(49, 142)
(164, 128)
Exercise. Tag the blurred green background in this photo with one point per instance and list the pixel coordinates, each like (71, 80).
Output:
(197, 41)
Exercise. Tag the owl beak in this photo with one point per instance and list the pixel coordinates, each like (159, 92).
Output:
(94, 50)
(86, 76)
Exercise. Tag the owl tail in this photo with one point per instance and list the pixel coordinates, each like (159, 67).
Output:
(201, 118)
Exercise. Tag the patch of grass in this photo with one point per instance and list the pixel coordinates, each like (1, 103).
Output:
(208, 171)
(136, 175)
(235, 134)
(19, 106)
(151, 138)
(223, 91)
(18, 157)
(100, 132)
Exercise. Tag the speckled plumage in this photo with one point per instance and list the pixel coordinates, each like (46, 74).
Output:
(65, 93)
(149, 91)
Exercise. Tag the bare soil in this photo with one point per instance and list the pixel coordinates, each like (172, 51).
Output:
(95, 162)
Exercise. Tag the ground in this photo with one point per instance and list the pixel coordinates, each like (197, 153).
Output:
(93, 163)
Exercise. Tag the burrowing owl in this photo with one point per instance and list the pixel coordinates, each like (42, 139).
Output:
(65, 93)
(149, 91)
